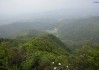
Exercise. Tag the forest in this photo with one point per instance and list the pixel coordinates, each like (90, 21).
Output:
(46, 52)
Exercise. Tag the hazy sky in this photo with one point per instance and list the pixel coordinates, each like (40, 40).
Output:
(12, 10)
(8, 7)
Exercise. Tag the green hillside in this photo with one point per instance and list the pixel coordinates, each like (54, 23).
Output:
(46, 52)
(78, 32)
(27, 34)
(37, 53)
(16, 27)
(85, 29)
(73, 32)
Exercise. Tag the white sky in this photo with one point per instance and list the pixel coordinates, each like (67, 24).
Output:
(28, 6)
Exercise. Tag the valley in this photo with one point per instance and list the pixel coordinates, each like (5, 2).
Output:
(50, 45)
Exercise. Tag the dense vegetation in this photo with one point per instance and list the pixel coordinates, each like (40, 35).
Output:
(46, 52)
(27, 34)
(37, 53)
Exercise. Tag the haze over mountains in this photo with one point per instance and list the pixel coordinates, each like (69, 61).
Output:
(32, 44)
(71, 25)
(70, 31)
(54, 14)
(16, 11)
(49, 35)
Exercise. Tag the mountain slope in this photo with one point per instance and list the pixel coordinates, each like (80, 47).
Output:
(38, 53)
(75, 33)
(47, 49)
(27, 34)
(78, 30)
(11, 29)
(48, 41)
(85, 29)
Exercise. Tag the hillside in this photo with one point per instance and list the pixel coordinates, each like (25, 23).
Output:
(45, 52)
(37, 53)
(70, 31)
(77, 32)
(27, 34)
(16, 27)
(84, 29)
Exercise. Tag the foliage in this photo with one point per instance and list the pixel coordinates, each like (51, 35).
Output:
(37, 53)
(87, 58)
(46, 52)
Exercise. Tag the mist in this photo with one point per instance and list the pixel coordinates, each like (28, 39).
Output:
(23, 10)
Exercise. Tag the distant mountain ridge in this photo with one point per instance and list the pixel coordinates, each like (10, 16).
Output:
(75, 30)
(27, 34)
(11, 29)
(78, 32)
(53, 14)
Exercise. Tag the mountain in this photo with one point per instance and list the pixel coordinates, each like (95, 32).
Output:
(83, 29)
(27, 34)
(46, 42)
(37, 53)
(45, 52)
(70, 31)
(78, 31)
(31, 50)
(11, 29)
